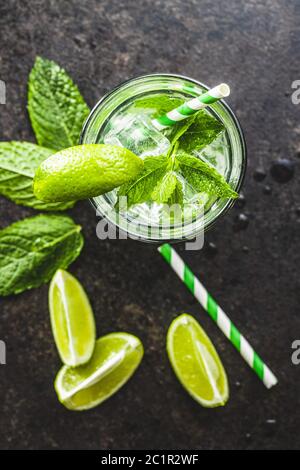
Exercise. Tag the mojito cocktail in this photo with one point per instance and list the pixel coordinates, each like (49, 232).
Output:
(212, 138)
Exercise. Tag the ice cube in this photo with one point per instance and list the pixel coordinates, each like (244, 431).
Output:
(138, 135)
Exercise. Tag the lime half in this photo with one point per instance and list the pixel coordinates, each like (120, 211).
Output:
(72, 319)
(84, 171)
(196, 362)
(115, 359)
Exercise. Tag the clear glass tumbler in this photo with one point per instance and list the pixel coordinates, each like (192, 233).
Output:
(234, 163)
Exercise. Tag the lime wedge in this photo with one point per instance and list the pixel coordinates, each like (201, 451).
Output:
(115, 359)
(72, 319)
(84, 171)
(196, 362)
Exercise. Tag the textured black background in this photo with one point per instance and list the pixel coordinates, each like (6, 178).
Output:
(254, 46)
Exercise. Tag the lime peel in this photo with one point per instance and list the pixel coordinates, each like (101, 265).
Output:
(93, 379)
(85, 171)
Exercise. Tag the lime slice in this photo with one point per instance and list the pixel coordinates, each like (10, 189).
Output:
(196, 362)
(115, 359)
(72, 319)
(84, 171)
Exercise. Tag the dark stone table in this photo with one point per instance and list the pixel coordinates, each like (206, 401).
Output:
(254, 273)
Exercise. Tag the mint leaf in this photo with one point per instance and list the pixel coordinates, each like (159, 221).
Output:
(164, 188)
(140, 189)
(203, 177)
(34, 248)
(202, 131)
(180, 128)
(177, 195)
(18, 162)
(157, 104)
(56, 108)
(168, 190)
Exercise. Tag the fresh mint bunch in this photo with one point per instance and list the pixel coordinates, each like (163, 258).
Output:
(57, 112)
(34, 248)
(163, 177)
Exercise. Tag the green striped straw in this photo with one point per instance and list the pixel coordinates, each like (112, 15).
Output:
(218, 316)
(191, 107)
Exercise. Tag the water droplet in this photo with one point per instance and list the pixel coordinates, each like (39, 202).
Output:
(259, 174)
(78, 40)
(237, 384)
(271, 421)
(267, 190)
(241, 222)
(245, 249)
(282, 170)
(211, 249)
(241, 201)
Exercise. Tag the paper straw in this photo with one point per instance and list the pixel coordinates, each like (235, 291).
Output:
(191, 107)
(218, 316)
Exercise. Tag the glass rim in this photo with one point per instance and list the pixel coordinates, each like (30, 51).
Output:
(230, 203)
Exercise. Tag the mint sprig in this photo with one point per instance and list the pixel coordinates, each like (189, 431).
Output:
(161, 180)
